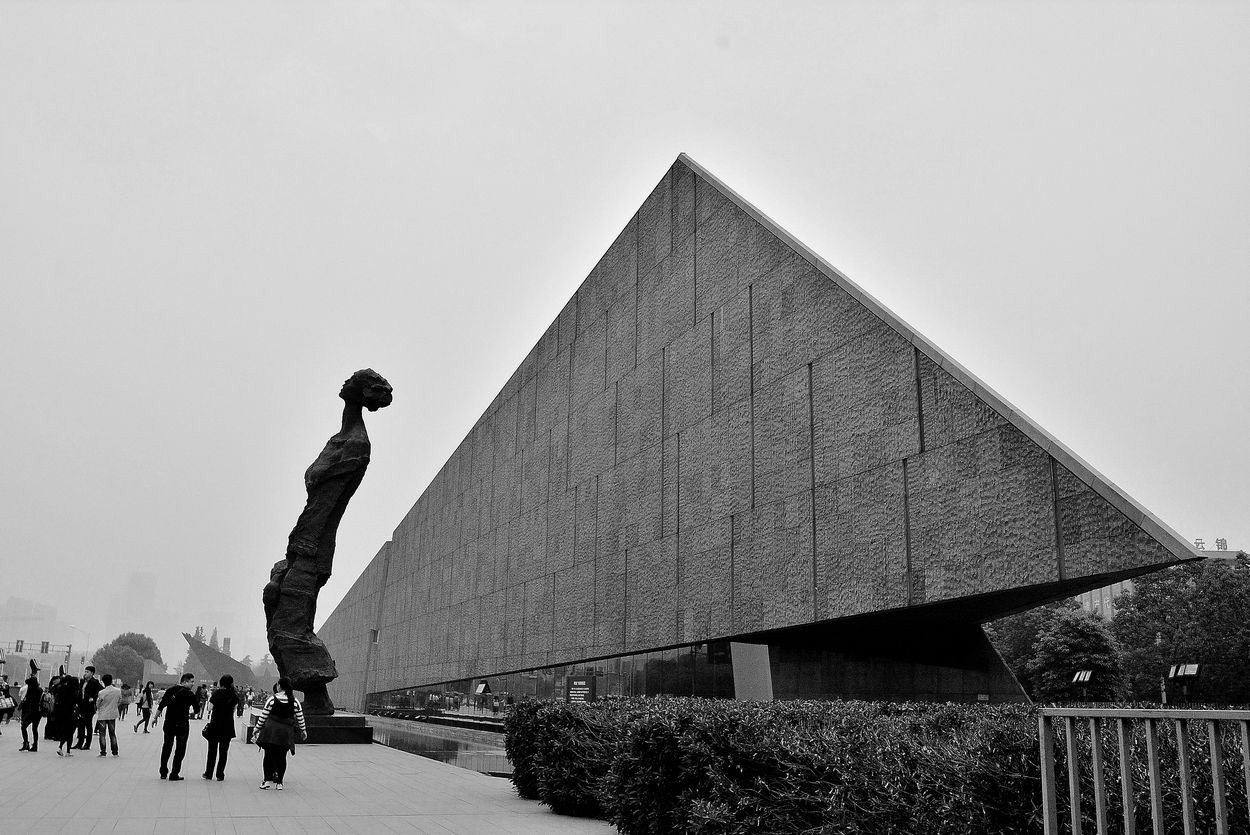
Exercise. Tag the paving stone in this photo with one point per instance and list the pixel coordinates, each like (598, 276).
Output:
(328, 788)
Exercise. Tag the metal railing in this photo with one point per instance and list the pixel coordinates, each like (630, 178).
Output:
(1218, 725)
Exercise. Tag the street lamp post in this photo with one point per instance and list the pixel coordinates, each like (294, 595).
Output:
(82, 664)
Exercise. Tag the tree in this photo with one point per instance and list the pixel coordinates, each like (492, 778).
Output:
(265, 668)
(212, 642)
(1072, 641)
(1015, 636)
(141, 644)
(119, 661)
(1197, 613)
(247, 660)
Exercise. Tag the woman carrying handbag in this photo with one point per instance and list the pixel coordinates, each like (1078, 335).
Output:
(223, 706)
(279, 727)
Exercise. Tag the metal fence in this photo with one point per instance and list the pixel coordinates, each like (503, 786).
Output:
(1226, 730)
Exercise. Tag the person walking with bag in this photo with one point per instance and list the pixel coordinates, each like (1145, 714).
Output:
(223, 706)
(32, 697)
(143, 708)
(279, 727)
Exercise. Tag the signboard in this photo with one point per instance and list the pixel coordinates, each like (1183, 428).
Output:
(579, 689)
(482, 688)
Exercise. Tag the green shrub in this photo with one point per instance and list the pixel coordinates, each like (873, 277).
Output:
(717, 767)
(522, 729)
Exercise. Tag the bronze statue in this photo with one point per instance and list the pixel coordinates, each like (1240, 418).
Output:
(290, 596)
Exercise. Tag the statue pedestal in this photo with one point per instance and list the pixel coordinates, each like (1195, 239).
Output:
(341, 728)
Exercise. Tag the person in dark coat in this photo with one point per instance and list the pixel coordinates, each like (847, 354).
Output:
(30, 713)
(89, 690)
(223, 706)
(279, 726)
(61, 725)
(180, 699)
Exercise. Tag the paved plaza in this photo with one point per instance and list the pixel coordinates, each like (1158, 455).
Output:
(329, 788)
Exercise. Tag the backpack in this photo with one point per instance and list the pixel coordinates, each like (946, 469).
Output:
(46, 703)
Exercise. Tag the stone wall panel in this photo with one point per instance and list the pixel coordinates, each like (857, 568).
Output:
(589, 375)
(705, 582)
(666, 299)
(861, 547)
(982, 515)
(592, 438)
(688, 378)
(651, 594)
(782, 428)
(772, 550)
(951, 410)
(715, 467)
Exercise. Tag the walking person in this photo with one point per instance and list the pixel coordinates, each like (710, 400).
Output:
(143, 708)
(223, 706)
(8, 704)
(279, 727)
(128, 697)
(32, 698)
(201, 700)
(65, 691)
(106, 711)
(180, 699)
(91, 688)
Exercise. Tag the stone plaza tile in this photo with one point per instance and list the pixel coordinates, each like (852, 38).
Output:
(329, 789)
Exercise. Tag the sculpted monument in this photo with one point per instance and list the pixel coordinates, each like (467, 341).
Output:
(290, 596)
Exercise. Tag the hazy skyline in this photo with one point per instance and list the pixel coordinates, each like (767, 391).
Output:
(212, 214)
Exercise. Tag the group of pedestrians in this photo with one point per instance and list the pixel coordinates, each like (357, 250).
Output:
(78, 708)
(279, 726)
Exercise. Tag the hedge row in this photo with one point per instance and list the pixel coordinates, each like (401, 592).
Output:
(697, 766)
(655, 766)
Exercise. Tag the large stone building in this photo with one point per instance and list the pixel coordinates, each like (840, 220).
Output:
(724, 469)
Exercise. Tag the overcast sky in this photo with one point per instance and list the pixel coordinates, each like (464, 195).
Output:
(212, 213)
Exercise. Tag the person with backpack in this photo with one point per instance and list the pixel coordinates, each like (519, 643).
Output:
(32, 699)
(279, 727)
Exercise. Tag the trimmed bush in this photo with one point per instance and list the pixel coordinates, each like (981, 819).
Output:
(663, 765)
(522, 732)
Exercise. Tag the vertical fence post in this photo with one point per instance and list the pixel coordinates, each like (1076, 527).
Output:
(1217, 777)
(1126, 776)
(1046, 741)
(1074, 774)
(1100, 790)
(1187, 785)
(1156, 777)
(1245, 754)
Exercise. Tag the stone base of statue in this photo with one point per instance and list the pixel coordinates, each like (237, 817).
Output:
(342, 728)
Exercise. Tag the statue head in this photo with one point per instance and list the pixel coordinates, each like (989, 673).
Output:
(367, 388)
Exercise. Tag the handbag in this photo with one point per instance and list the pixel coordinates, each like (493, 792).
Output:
(6, 703)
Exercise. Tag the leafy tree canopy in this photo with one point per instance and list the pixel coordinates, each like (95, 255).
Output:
(1194, 613)
(1044, 647)
(120, 661)
(1072, 641)
(141, 644)
(1015, 635)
